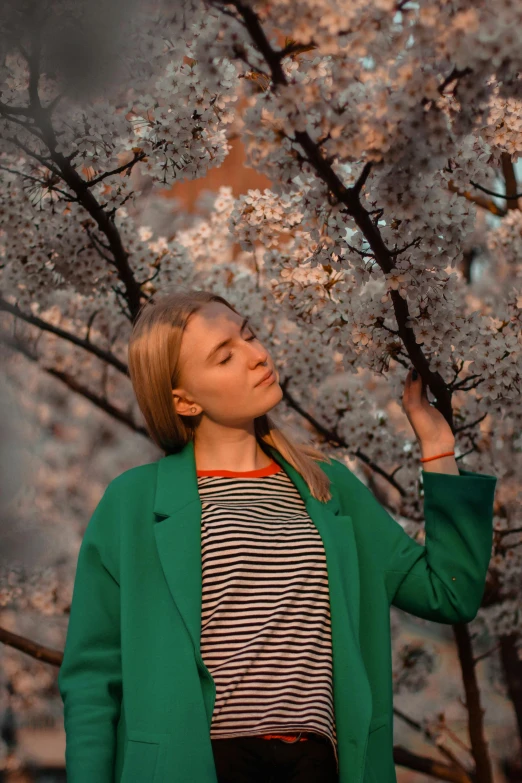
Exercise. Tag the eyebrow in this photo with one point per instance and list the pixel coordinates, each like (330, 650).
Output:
(225, 342)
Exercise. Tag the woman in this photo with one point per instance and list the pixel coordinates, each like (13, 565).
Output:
(230, 614)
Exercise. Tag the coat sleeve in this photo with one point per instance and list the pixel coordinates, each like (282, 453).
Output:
(444, 579)
(89, 679)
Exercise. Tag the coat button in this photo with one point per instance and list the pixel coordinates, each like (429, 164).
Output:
(453, 578)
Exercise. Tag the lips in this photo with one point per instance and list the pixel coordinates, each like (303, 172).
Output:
(265, 376)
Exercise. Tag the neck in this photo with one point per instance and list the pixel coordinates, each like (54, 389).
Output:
(225, 448)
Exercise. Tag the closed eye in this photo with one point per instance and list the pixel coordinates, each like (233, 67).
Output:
(248, 339)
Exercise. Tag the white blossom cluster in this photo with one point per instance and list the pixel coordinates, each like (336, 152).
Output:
(505, 245)
(167, 114)
(413, 663)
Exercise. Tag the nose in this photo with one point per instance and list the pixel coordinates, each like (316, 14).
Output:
(260, 354)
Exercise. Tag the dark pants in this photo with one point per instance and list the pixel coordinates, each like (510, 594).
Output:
(257, 760)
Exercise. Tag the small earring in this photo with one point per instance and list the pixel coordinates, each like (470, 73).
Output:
(193, 410)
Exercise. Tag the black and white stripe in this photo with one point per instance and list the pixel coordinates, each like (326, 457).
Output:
(265, 624)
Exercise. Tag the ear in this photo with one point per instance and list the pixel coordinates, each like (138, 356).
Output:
(183, 403)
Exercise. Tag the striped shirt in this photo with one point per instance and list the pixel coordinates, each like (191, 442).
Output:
(265, 618)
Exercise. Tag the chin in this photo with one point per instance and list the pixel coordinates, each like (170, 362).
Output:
(276, 395)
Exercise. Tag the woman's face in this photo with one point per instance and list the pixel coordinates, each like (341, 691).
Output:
(222, 381)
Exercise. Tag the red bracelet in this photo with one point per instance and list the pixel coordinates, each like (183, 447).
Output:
(447, 454)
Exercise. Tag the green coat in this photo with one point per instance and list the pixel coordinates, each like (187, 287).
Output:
(138, 698)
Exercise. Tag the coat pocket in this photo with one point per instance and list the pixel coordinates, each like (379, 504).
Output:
(379, 766)
(377, 722)
(140, 759)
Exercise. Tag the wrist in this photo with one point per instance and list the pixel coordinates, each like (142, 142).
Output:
(431, 449)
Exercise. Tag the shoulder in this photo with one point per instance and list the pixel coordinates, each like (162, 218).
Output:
(130, 492)
(337, 471)
(129, 495)
(348, 485)
(133, 482)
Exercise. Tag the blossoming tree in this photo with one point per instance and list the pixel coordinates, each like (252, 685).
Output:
(391, 237)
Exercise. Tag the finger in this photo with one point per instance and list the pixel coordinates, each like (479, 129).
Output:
(417, 382)
(422, 389)
(416, 385)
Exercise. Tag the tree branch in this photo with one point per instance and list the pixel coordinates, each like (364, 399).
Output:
(510, 178)
(486, 654)
(119, 170)
(332, 437)
(453, 76)
(474, 708)
(512, 666)
(87, 345)
(48, 185)
(350, 198)
(429, 766)
(514, 197)
(61, 165)
(30, 128)
(490, 206)
(429, 736)
(24, 111)
(46, 162)
(38, 651)
(72, 384)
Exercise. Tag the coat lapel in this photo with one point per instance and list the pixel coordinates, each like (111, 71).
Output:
(177, 530)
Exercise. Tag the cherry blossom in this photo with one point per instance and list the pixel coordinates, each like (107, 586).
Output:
(390, 133)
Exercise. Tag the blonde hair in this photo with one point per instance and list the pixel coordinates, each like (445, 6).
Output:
(154, 369)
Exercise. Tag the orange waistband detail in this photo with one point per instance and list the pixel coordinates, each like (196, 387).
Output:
(288, 737)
